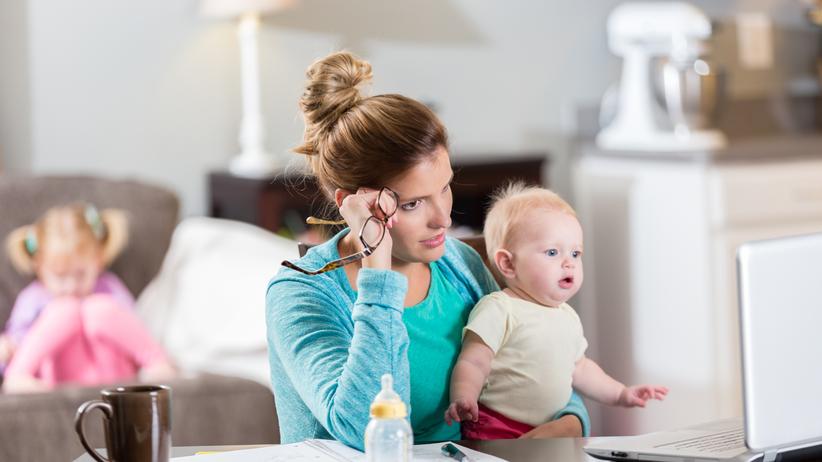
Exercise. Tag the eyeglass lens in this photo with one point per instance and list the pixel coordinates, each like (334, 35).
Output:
(373, 229)
(387, 202)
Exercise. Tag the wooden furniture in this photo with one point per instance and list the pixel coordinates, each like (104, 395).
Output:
(475, 180)
(282, 202)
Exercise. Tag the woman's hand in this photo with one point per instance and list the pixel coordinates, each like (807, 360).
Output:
(462, 410)
(356, 209)
(566, 426)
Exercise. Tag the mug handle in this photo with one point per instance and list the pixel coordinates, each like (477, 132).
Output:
(78, 424)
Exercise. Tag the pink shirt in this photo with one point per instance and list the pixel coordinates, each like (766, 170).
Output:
(31, 301)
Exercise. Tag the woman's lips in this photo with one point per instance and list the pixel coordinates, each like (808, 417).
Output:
(435, 241)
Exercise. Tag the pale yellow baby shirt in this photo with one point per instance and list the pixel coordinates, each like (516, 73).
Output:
(536, 348)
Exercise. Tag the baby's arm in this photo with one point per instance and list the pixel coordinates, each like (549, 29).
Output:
(590, 380)
(470, 373)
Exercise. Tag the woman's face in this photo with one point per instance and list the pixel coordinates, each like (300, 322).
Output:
(425, 209)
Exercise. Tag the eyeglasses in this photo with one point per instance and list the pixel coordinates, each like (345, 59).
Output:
(371, 233)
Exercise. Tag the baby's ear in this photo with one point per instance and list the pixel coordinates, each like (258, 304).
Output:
(504, 262)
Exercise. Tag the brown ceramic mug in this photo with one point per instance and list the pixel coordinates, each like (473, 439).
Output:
(137, 423)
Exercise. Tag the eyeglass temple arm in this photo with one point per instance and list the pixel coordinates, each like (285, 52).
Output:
(332, 265)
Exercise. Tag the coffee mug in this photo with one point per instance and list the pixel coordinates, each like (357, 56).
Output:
(137, 423)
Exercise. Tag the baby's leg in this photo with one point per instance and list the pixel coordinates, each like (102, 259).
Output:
(492, 425)
(59, 323)
(108, 326)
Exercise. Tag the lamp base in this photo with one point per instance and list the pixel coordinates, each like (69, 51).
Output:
(254, 165)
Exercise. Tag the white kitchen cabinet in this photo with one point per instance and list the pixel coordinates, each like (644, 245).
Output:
(659, 298)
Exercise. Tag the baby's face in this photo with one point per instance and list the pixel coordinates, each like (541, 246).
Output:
(69, 273)
(547, 257)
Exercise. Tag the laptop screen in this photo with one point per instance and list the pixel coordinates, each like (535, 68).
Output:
(780, 297)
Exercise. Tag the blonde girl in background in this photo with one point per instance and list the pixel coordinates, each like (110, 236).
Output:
(75, 322)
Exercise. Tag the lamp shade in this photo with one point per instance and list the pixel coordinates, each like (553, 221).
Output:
(235, 8)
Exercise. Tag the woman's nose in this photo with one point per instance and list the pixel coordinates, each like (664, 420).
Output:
(440, 215)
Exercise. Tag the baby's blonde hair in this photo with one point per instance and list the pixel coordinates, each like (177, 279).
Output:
(510, 205)
(78, 226)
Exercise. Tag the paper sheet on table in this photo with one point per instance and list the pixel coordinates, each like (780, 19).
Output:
(327, 450)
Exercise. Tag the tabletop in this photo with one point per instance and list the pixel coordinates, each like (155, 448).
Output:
(556, 449)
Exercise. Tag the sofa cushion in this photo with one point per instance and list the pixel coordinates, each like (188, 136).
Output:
(207, 304)
(153, 213)
(206, 410)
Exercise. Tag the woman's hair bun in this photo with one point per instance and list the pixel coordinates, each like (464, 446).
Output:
(333, 87)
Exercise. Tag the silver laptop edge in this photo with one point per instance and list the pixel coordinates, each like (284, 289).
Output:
(786, 307)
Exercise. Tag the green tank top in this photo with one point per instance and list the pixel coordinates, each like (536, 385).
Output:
(435, 333)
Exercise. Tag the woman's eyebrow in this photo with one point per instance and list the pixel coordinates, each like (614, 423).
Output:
(412, 199)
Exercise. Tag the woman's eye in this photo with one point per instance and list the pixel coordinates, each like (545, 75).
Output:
(411, 205)
(551, 252)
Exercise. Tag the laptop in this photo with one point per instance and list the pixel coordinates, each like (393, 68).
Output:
(780, 311)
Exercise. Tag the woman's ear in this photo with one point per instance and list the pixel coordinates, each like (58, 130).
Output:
(339, 195)
(505, 263)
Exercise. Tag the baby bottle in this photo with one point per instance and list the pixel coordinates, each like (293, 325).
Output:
(388, 436)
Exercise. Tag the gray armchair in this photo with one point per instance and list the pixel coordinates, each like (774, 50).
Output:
(207, 409)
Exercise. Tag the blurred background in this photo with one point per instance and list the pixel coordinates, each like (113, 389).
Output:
(152, 90)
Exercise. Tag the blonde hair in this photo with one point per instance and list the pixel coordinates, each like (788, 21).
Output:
(509, 207)
(352, 140)
(78, 226)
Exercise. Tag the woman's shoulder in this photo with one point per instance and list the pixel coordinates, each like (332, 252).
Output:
(288, 284)
(458, 252)
(316, 257)
(461, 263)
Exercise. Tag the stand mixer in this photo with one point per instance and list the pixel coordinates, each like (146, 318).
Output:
(675, 33)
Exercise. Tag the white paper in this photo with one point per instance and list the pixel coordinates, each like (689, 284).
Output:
(327, 450)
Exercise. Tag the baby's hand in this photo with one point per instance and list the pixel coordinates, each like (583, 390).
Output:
(638, 395)
(462, 409)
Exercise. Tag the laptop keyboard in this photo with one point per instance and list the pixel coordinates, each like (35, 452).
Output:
(717, 442)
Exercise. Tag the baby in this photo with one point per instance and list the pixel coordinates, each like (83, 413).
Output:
(523, 347)
(75, 322)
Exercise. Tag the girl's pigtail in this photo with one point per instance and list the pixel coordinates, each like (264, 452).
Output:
(21, 245)
(115, 239)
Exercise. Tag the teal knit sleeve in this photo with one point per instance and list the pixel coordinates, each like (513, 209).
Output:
(334, 354)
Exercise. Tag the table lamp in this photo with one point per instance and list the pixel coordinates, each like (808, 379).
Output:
(253, 160)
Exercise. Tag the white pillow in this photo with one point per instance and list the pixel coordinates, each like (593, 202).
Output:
(207, 304)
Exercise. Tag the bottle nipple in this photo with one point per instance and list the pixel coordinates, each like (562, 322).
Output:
(387, 404)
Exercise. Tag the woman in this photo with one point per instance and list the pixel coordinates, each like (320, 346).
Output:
(389, 294)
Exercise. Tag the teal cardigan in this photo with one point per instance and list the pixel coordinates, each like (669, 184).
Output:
(328, 345)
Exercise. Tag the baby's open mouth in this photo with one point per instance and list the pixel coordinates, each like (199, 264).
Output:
(566, 283)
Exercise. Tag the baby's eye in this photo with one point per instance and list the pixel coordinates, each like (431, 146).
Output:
(411, 205)
(576, 254)
(551, 252)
